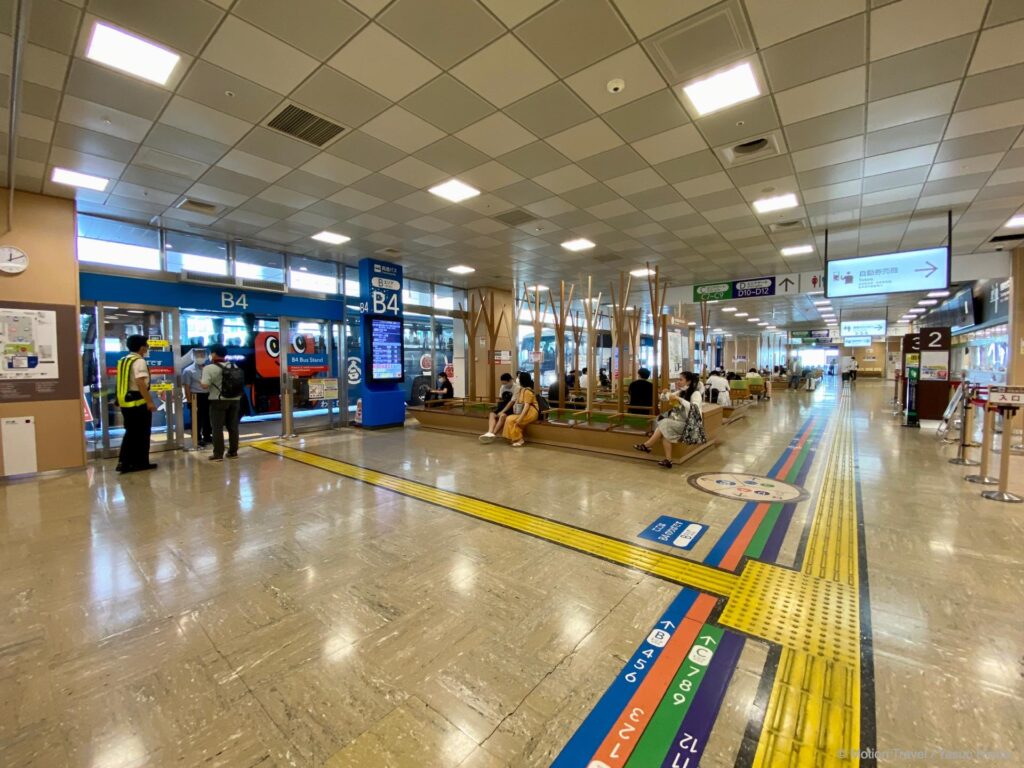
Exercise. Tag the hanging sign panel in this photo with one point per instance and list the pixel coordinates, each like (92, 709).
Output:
(923, 270)
(712, 292)
(862, 328)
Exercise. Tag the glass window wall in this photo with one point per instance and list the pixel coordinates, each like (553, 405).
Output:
(305, 274)
(191, 253)
(118, 244)
(258, 264)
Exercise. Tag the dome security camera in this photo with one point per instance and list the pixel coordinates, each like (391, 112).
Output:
(618, 85)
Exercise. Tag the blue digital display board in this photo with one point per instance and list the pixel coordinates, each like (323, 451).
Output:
(387, 350)
(857, 341)
(924, 270)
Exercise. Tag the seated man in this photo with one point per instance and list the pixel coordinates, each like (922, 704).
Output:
(641, 393)
(444, 391)
(496, 418)
(557, 394)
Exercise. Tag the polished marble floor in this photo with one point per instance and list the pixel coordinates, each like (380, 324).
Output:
(265, 612)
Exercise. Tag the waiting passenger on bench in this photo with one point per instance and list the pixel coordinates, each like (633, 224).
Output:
(683, 424)
(444, 391)
(718, 389)
(560, 394)
(525, 410)
(501, 410)
(641, 393)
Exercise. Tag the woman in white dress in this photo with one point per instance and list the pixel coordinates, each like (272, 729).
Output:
(684, 422)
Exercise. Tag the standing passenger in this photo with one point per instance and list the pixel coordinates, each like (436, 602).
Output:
(191, 379)
(223, 381)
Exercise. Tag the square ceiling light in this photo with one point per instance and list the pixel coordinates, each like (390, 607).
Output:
(777, 203)
(454, 190)
(938, 294)
(641, 272)
(76, 179)
(461, 270)
(797, 250)
(916, 311)
(539, 288)
(579, 244)
(1015, 223)
(723, 89)
(131, 54)
(331, 237)
(728, 309)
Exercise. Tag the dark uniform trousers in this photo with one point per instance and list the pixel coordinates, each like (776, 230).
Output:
(203, 414)
(138, 424)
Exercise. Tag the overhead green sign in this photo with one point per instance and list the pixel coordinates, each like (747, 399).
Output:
(712, 292)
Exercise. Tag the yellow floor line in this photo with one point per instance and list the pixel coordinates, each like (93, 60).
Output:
(684, 572)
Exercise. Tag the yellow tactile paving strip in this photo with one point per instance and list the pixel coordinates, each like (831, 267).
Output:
(670, 568)
(813, 712)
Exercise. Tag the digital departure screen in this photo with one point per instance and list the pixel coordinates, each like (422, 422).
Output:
(387, 353)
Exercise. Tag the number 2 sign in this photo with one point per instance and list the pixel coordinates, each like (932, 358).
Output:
(935, 339)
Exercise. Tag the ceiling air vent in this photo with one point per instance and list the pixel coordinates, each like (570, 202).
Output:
(515, 217)
(389, 252)
(753, 149)
(260, 285)
(198, 206)
(791, 225)
(606, 258)
(1006, 238)
(187, 276)
(304, 125)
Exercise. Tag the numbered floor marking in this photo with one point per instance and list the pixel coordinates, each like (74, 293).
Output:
(744, 487)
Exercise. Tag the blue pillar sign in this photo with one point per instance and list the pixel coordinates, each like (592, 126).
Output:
(380, 306)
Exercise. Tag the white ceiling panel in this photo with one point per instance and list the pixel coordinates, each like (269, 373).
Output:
(278, 66)
(908, 24)
(381, 61)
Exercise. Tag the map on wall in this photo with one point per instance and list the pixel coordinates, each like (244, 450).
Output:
(28, 344)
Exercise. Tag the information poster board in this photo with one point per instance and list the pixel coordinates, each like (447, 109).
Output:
(28, 344)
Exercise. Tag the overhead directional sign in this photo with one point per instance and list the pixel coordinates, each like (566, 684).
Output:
(749, 289)
(712, 292)
(857, 341)
(752, 288)
(823, 333)
(812, 282)
(923, 270)
(786, 285)
(862, 328)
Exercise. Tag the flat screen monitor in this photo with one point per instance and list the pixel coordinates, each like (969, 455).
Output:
(387, 350)
(857, 341)
(862, 328)
(924, 270)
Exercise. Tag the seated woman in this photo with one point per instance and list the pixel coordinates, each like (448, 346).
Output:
(496, 418)
(718, 389)
(684, 423)
(525, 410)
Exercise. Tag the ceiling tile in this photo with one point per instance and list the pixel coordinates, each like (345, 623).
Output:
(744, 121)
(534, 159)
(370, 7)
(279, 66)
(39, 101)
(105, 86)
(379, 60)
(178, 142)
(52, 24)
(335, 169)
(998, 47)
(495, 135)
(897, 161)
(445, 31)
(553, 34)
(1003, 11)
(250, 165)
(451, 155)
(448, 104)
(523, 192)
(761, 171)
(550, 110)
(634, 182)
(704, 185)
(92, 142)
(318, 27)
(829, 154)
(778, 20)
(691, 166)
(909, 107)
(896, 179)
(384, 187)
(45, 67)
(891, 195)
(631, 65)
(415, 173)
(209, 85)
(822, 96)
(826, 51)
(977, 144)
(155, 196)
(236, 182)
(991, 87)
(832, 192)
(672, 143)
(648, 16)
(904, 136)
(309, 184)
(645, 117)
(585, 139)
(565, 179)
(94, 117)
(80, 161)
(956, 183)
(831, 174)
(271, 145)
(339, 98)
(826, 128)
(920, 68)
(511, 12)
(489, 176)
(614, 162)
(486, 72)
(365, 151)
(912, 23)
(147, 177)
(209, 194)
(965, 166)
(589, 195)
(402, 129)
(984, 119)
(353, 198)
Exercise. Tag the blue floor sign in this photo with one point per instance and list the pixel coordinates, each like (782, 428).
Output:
(674, 532)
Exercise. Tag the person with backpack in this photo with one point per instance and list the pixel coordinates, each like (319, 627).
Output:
(525, 410)
(225, 383)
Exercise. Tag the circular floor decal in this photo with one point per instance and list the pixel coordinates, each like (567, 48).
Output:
(747, 487)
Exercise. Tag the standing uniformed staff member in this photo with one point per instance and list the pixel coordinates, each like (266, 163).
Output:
(137, 407)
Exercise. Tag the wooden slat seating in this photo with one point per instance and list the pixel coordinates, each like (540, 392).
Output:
(739, 390)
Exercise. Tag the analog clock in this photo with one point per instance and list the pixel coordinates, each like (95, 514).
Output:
(12, 260)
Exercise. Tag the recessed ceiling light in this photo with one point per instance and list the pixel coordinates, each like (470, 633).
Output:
(916, 311)
(822, 303)
(460, 270)
(540, 288)
(76, 179)
(454, 190)
(642, 272)
(716, 330)
(773, 327)
(938, 294)
(131, 54)
(1015, 222)
(331, 237)
(763, 324)
(777, 203)
(928, 302)
(579, 244)
(728, 309)
(797, 250)
(691, 323)
(723, 89)
(742, 314)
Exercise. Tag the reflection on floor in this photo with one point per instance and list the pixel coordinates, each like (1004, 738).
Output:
(279, 611)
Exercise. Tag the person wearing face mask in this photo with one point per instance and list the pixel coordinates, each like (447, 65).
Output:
(685, 420)
(191, 379)
(137, 407)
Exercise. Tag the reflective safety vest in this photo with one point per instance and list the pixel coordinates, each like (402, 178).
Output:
(124, 377)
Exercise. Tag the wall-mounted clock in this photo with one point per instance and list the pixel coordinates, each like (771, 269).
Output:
(13, 260)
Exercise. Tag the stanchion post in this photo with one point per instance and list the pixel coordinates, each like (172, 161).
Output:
(1002, 494)
(967, 419)
(195, 422)
(988, 425)
(961, 459)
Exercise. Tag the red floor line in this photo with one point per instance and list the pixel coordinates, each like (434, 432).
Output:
(739, 546)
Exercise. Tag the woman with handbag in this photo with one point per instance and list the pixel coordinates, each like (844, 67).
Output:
(525, 410)
(684, 422)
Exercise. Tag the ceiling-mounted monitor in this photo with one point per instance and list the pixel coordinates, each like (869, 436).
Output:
(924, 270)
